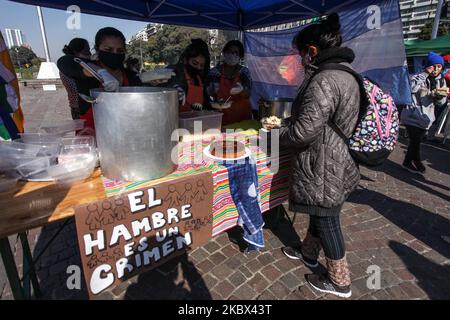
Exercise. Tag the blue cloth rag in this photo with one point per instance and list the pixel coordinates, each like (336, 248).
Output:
(243, 179)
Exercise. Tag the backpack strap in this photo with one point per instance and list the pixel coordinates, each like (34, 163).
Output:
(359, 79)
(364, 100)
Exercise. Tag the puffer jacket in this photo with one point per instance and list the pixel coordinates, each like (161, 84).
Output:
(323, 172)
(425, 101)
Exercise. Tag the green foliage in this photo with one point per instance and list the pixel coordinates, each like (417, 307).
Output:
(166, 46)
(22, 56)
(425, 33)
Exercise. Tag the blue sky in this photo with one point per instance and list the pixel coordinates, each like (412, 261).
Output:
(24, 17)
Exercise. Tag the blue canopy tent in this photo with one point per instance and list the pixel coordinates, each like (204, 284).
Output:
(372, 28)
(214, 14)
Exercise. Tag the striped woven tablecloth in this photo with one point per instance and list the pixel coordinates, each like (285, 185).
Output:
(273, 186)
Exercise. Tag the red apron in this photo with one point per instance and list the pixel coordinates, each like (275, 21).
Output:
(194, 93)
(89, 115)
(240, 109)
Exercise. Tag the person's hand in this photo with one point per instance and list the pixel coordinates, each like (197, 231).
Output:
(237, 88)
(197, 106)
(109, 82)
(441, 92)
(181, 94)
(429, 70)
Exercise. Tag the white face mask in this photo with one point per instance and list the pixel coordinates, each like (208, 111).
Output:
(231, 59)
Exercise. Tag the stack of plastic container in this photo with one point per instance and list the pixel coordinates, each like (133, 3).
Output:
(76, 161)
(48, 156)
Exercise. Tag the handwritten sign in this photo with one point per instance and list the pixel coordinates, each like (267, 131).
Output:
(136, 232)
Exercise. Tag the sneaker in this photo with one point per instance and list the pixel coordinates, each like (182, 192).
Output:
(419, 165)
(323, 284)
(295, 253)
(410, 167)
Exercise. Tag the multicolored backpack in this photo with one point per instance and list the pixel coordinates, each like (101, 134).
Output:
(377, 129)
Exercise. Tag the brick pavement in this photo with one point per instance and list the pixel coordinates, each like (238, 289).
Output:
(394, 221)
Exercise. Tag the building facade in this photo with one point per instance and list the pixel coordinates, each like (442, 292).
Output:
(14, 37)
(145, 33)
(415, 14)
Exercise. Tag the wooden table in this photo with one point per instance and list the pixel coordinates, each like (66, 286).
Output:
(35, 204)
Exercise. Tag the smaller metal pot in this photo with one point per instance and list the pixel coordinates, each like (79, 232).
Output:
(280, 107)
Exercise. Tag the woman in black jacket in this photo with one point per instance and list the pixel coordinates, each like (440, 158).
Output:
(79, 48)
(324, 173)
(111, 49)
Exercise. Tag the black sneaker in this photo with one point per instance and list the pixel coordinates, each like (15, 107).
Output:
(295, 253)
(419, 165)
(323, 284)
(410, 167)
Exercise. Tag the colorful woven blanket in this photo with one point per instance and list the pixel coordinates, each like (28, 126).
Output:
(273, 186)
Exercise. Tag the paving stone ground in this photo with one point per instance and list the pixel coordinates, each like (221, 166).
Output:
(392, 223)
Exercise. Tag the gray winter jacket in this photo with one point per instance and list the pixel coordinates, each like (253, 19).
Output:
(323, 172)
(421, 113)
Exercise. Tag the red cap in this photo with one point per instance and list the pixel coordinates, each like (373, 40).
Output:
(446, 57)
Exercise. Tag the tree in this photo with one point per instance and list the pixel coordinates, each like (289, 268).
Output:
(425, 33)
(21, 56)
(169, 42)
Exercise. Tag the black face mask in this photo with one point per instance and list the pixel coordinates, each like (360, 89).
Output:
(112, 60)
(193, 72)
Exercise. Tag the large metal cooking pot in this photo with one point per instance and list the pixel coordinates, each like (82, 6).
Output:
(133, 128)
(280, 107)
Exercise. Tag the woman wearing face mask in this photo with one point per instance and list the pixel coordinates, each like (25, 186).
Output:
(231, 80)
(429, 95)
(190, 75)
(110, 56)
(79, 48)
(323, 171)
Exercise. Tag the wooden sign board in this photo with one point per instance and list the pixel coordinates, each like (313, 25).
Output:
(123, 236)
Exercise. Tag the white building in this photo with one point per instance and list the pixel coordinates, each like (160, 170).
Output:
(14, 37)
(145, 33)
(415, 14)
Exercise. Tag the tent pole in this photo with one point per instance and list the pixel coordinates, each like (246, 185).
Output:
(437, 19)
(44, 35)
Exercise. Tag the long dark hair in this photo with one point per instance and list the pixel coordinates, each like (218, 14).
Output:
(108, 32)
(76, 45)
(324, 35)
(198, 47)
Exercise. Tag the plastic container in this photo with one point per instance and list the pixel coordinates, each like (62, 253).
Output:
(15, 149)
(29, 169)
(48, 147)
(73, 147)
(75, 169)
(73, 177)
(63, 127)
(39, 138)
(157, 74)
(205, 120)
(10, 162)
(80, 140)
